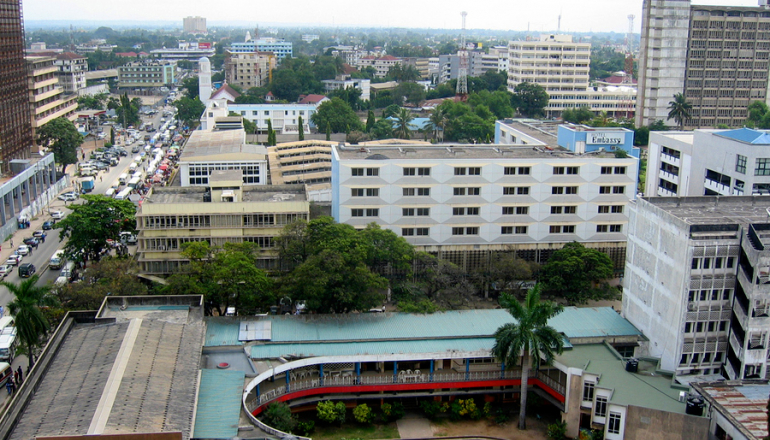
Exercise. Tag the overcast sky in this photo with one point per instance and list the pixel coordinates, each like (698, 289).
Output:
(542, 15)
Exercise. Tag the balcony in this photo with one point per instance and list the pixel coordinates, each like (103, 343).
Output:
(671, 177)
(665, 193)
(736, 345)
(670, 159)
(717, 187)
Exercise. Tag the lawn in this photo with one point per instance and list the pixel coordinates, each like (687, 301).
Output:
(354, 430)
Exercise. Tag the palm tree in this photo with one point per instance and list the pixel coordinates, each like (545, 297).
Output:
(437, 122)
(679, 110)
(31, 324)
(403, 123)
(530, 339)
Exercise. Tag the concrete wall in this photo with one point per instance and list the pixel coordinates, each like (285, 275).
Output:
(572, 414)
(652, 424)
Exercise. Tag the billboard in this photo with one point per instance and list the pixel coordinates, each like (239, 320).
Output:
(605, 138)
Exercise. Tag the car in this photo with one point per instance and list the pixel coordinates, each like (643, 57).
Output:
(40, 234)
(101, 166)
(31, 242)
(47, 225)
(58, 215)
(5, 270)
(101, 136)
(135, 148)
(13, 260)
(26, 270)
(23, 249)
(68, 196)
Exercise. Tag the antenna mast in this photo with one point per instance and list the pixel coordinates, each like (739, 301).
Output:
(462, 74)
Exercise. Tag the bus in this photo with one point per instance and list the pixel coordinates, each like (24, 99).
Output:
(123, 195)
(134, 182)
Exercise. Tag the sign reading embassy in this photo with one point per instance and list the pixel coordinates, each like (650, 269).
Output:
(599, 138)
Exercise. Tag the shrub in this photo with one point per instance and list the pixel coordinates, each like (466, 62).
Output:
(330, 412)
(392, 411)
(278, 415)
(363, 414)
(431, 408)
(305, 428)
(557, 431)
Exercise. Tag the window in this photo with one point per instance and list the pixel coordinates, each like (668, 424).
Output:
(613, 426)
(518, 190)
(602, 228)
(409, 171)
(509, 210)
(373, 212)
(474, 191)
(605, 189)
(465, 231)
(458, 211)
(588, 391)
(422, 231)
(356, 192)
(506, 230)
(618, 189)
(520, 230)
(557, 209)
(568, 229)
(524, 170)
(474, 171)
(409, 192)
(372, 172)
(510, 171)
(423, 171)
(557, 190)
(423, 212)
(407, 232)
(423, 191)
(407, 212)
(617, 209)
(372, 192)
(566, 170)
(763, 167)
(458, 231)
(616, 228)
(459, 191)
(606, 170)
(620, 170)
(604, 209)
(356, 212)
(522, 210)
(357, 172)
(571, 190)
(459, 171)
(601, 406)
(416, 191)
(740, 164)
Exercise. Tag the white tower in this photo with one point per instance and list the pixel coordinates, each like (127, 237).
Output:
(204, 80)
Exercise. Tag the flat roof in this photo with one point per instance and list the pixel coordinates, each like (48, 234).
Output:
(459, 152)
(743, 402)
(203, 143)
(132, 368)
(545, 132)
(219, 404)
(708, 210)
(647, 388)
(250, 193)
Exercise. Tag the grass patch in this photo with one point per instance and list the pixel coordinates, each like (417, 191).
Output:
(355, 430)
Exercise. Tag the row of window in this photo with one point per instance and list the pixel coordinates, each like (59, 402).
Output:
(476, 171)
(695, 358)
(511, 210)
(475, 191)
(713, 262)
(709, 295)
(700, 327)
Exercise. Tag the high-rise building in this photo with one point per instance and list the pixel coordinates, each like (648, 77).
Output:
(717, 56)
(194, 25)
(249, 69)
(47, 99)
(15, 118)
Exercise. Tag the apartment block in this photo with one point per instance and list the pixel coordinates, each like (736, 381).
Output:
(72, 72)
(279, 47)
(561, 67)
(47, 100)
(209, 151)
(148, 74)
(194, 25)
(381, 64)
(225, 211)
(717, 56)
(345, 81)
(463, 201)
(306, 162)
(283, 117)
(249, 69)
(696, 283)
(708, 162)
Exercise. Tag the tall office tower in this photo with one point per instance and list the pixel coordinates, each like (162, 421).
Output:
(194, 25)
(663, 51)
(15, 118)
(717, 56)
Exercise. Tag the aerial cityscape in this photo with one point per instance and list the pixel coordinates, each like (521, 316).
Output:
(305, 221)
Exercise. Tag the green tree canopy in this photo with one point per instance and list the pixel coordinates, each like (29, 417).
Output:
(402, 123)
(408, 92)
(189, 110)
(110, 276)
(63, 138)
(337, 115)
(530, 339)
(575, 271)
(530, 99)
(579, 115)
(191, 87)
(679, 110)
(31, 324)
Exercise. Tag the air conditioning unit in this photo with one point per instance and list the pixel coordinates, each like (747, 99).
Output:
(691, 307)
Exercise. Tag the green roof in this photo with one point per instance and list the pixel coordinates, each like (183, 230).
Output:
(647, 388)
(219, 404)
(573, 322)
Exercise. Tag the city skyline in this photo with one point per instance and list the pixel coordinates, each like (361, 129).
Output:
(584, 16)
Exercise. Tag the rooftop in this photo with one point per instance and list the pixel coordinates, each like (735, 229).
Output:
(250, 194)
(647, 388)
(743, 403)
(206, 143)
(414, 151)
(712, 210)
(746, 135)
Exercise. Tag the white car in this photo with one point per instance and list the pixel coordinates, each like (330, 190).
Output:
(23, 249)
(13, 260)
(68, 197)
(58, 215)
(5, 269)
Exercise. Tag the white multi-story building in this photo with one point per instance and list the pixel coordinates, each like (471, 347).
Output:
(381, 64)
(462, 201)
(72, 72)
(249, 69)
(284, 118)
(708, 162)
(208, 151)
(280, 48)
(696, 283)
(561, 67)
(344, 82)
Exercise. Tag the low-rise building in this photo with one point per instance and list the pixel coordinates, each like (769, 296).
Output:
(307, 162)
(381, 64)
(738, 408)
(345, 81)
(147, 74)
(209, 151)
(283, 117)
(249, 69)
(47, 99)
(190, 51)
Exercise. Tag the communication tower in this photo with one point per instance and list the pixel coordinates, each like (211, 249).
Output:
(462, 74)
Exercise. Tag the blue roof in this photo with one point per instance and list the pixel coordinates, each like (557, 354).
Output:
(219, 404)
(221, 332)
(748, 135)
(592, 322)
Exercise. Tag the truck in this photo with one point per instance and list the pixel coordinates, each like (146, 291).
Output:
(87, 184)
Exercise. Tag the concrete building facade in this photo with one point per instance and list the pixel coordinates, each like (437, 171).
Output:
(305, 162)
(147, 74)
(345, 81)
(249, 69)
(72, 72)
(279, 47)
(209, 151)
(381, 64)
(194, 25)
(47, 100)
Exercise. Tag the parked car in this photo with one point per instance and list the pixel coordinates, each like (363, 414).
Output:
(48, 225)
(26, 270)
(23, 249)
(69, 196)
(58, 215)
(101, 166)
(135, 148)
(32, 242)
(5, 269)
(13, 260)
(40, 234)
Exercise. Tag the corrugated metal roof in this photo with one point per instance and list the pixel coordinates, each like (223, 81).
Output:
(219, 404)
(304, 350)
(592, 322)
(222, 331)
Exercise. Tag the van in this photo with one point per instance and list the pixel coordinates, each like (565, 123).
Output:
(123, 178)
(67, 275)
(8, 344)
(110, 192)
(57, 260)
(137, 175)
(6, 321)
(134, 182)
(5, 372)
(123, 195)
(133, 167)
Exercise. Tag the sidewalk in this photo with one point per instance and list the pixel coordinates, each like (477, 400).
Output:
(35, 224)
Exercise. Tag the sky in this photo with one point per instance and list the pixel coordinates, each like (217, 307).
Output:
(517, 15)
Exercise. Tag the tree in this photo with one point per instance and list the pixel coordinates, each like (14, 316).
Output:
(278, 415)
(241, 284)
(437, 122)
(328, 132)
(382, 129)
(270, 134)
(351, 95)
(191, 87)
(579, 115)
(112, 136)
(128, 111)
(110, 276)
(330, 412)
(196, 277)
(248, 126)
(408, 92)
(189, 110)
(363, 414)
(370, 121)
(63, 138)
(757, 112)
(337, 116)
(573, 272)
(285, 85)
(530, 99)
(679, 110)
(92, 223)
(530, 339)
(95, 102)
(301, 129)
(31, 324)
(403, 123)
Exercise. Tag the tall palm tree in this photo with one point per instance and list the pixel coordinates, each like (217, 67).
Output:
(437, 122)
(31, 324)
(403, 123)
(530, 339)
(679, 110)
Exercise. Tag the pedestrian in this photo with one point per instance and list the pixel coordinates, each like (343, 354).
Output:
(1, 311)
(9, 385)
(12, 242)
(13, 385)
(21, 374)
(16, 376)
(100, 178)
